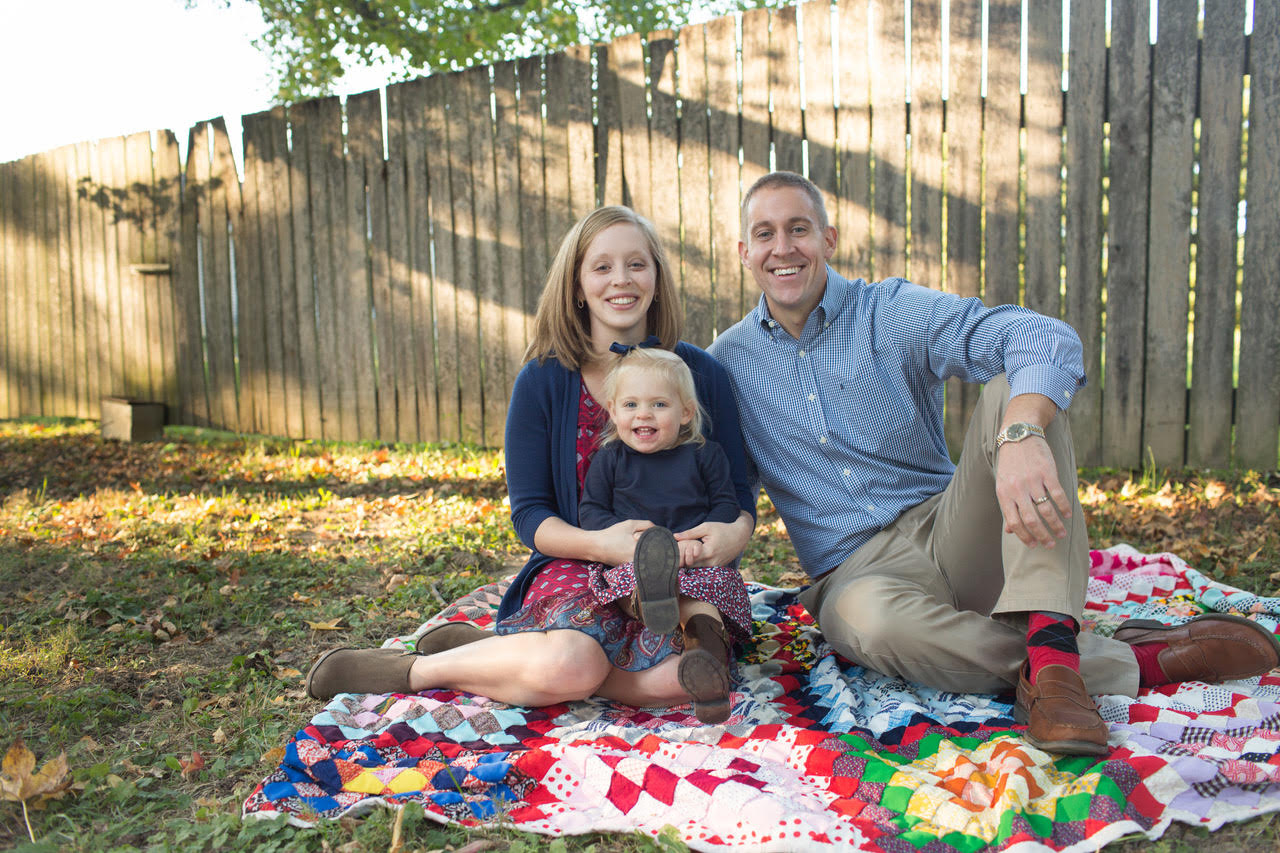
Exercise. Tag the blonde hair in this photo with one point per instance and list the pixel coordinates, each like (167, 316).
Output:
(561, 329)
(672, 369)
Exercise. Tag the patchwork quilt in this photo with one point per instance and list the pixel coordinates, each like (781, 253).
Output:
(818, 754)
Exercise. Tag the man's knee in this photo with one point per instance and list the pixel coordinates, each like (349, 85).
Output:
(861, 617)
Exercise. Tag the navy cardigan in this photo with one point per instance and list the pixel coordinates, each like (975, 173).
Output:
(541, 449)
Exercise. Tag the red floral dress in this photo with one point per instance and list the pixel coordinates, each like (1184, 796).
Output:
(580, 596)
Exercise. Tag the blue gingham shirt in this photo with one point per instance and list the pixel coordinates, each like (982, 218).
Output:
(843, 426)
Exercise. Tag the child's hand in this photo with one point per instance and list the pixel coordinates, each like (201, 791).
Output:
(690, 552)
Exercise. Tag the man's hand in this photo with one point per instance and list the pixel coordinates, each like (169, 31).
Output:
(1031, 497)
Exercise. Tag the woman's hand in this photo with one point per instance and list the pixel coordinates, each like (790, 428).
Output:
(613, 546)
(722, 543)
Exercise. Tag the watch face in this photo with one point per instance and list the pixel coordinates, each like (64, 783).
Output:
(1017, 432)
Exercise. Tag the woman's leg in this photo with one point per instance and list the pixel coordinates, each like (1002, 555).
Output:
(655, 687)
(530, 668)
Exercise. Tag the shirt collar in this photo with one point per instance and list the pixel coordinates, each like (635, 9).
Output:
(834, 298)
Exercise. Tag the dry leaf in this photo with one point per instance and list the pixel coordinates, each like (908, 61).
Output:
(193, 765)
(327, 625)
(219, 736)
(19, 784)
(273, 756)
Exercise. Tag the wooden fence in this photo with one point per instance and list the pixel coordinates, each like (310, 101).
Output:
(371, 279)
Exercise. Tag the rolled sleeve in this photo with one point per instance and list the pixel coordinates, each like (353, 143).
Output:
(1056, 383)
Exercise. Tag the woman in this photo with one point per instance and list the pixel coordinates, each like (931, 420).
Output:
(610, 284)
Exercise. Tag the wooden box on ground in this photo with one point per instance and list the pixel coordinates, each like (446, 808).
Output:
(131, 420)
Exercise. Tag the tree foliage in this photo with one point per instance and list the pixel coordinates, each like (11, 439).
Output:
(313, 42)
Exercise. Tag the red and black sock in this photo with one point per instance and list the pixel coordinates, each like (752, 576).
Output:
(1051, 639)
(1149, 672)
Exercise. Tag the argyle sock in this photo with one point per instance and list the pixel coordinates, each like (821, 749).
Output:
(1149, 672)
(1051, 639)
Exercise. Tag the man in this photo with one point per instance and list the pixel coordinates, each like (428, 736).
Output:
(967, 577)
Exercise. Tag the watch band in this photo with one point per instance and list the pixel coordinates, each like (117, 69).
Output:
(1016, 432)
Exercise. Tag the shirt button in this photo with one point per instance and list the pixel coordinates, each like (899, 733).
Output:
(871, 507)
(802, 353)
(1067, 394)
(811, 398)
(846, 472)
(822, 439)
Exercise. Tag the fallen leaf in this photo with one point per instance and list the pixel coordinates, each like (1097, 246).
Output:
(327, 625)
(193, 765)
(273, 756)
(19, 784)
(219, 736)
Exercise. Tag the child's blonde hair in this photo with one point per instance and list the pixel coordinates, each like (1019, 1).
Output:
(673, 370)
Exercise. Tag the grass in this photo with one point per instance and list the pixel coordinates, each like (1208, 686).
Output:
(159, 604)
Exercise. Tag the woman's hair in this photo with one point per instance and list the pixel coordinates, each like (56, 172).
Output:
(672, 369)
(562, 329)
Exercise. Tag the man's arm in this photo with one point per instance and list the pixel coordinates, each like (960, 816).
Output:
(1026, 473)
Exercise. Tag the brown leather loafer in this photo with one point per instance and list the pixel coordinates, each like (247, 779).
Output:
(1213, 647)
(1059, 713)
(657, 567)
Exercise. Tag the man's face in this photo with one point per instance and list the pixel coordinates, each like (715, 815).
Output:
(786, 249)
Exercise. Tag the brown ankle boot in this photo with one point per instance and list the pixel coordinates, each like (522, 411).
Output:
(657, 567)
(704, 667)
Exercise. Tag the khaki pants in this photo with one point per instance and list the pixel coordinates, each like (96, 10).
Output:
(941, 596)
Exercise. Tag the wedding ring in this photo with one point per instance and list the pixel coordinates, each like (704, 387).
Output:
(1040, 500)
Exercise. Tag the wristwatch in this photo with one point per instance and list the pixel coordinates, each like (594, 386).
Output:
(1017, 432)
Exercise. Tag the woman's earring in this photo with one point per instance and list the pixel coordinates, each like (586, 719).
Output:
(580, 303)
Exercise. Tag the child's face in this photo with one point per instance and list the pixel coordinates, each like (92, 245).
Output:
(648, 411)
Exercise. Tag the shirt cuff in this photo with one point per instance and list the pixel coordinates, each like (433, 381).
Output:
(1053, 382)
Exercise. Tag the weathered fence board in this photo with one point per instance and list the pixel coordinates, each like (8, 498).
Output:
(168, 224)
(729, 299)
(305, 122)
(853, 135)
(925, 263)
(509, 295)
(889, 139)
(1173, 112)
(1086, 97)
(188, 333)
(400, 323)
(696, 249)
(964, 188)
(536, 255)
(820, 99)
(368, 287)
(1259, 397)
(464, 104)
(8, 285)
(785, 120)
(1130, 167)
(1221, 114)
(110, 190)
(664, 160)
(419, 414)
(1043, 276)
(364, 280)
(754, 95)
(251, 286)
(1258, 407)
(1002, 155)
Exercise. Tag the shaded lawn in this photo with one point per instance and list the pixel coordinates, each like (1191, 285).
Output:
(160, 602)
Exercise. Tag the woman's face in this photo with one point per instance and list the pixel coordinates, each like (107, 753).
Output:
(617, 281)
